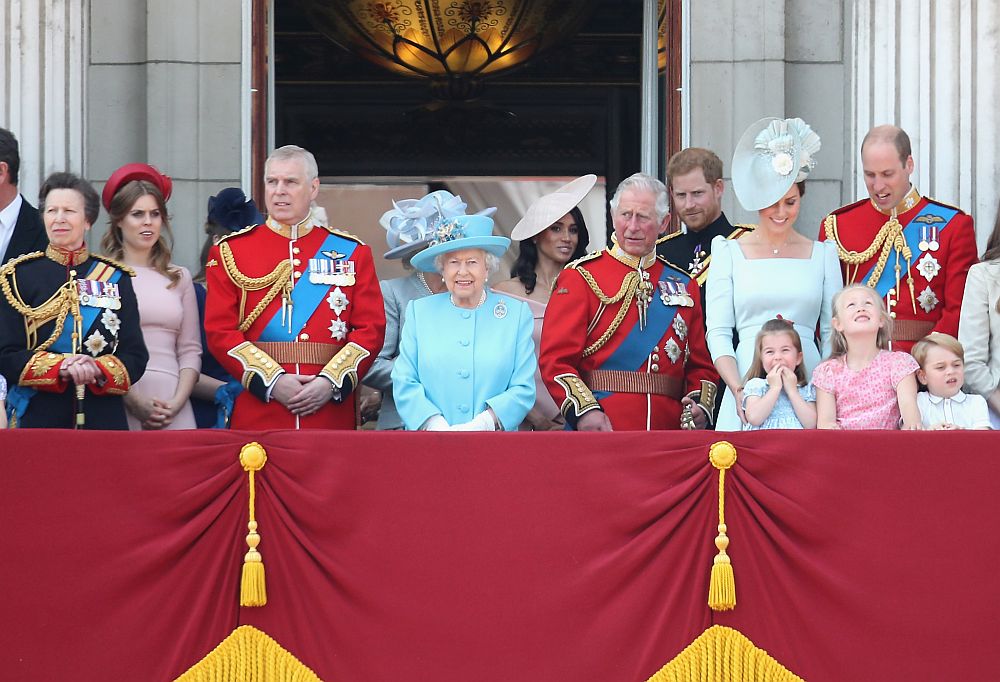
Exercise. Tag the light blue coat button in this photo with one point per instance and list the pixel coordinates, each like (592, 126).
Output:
(464, 342)
(466, 314)
(463, 408)
(464, 373)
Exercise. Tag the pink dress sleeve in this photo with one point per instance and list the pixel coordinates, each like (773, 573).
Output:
(822, 376)
(901, 365)
(189, 338)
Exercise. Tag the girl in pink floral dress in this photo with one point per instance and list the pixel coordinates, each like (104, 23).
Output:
(864, 385)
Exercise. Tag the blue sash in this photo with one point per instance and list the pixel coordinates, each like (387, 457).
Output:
(19, 397)
(306, 296)
(64, 344)
(930, 215)
(636, 347)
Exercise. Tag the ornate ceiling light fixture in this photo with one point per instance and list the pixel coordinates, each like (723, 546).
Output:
(453, 43)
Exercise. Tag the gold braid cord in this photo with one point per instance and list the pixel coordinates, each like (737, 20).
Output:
(626, 294)
(722, 653)
(888, 238)
(279, 281)
(249, 655)
(59, 306)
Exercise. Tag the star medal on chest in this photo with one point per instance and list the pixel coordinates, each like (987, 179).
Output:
(927, 299)
(680, 327)
(95, 343)
(697, 263)
(338, 301)
(338, 330)
(111, 322)
(96, 294)
(928, 266)
(672, 350)
(330, 272)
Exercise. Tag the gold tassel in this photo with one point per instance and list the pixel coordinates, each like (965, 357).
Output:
(722, 585)
(253, 589)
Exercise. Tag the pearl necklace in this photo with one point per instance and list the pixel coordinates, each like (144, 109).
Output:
(481, 300)
(423, 280)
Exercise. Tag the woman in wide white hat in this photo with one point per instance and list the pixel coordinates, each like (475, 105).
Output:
(466, 359)
(773, 270)
(551, 234)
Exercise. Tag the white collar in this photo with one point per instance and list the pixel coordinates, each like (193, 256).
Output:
(937, 400)
(8, 216)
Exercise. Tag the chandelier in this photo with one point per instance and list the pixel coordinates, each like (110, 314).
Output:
(454, 43)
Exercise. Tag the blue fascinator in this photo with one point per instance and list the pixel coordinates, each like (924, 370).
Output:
(231, 209)
(412, 223)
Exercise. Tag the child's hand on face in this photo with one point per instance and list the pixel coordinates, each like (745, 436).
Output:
(789, 381)
(774, 379)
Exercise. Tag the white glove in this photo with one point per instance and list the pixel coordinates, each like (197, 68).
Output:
(435, 423)
(481, 422)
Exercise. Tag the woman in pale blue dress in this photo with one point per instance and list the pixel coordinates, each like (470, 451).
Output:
(772, 271)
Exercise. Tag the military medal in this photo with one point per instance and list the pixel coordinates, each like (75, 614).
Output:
(923, 245)
(927, 299)
(672, 350)
(331, 273)
(98, 294)
(929, 267)
(338, 301)
(934, 245)
(338, 330)
(500, 310)
(680, 327)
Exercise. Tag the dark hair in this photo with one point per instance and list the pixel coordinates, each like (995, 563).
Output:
(686, 160)
(775, 326)
(113, 242)
(802, 188)
(9, 154)
(527, 257)
(213, 232)
(91, 202)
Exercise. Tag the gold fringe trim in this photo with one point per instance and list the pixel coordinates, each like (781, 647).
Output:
(249, 655)
(722, 654)
(722, 585)
(253, 589)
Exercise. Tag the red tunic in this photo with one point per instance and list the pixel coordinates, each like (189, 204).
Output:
(939, 296)
(678, 354)
(336, 335)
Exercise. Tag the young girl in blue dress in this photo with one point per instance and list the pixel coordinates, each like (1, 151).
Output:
(776, 394)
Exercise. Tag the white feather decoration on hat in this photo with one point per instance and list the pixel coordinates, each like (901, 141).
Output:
(779, 141)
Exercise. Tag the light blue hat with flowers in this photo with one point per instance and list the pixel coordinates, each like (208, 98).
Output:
(411, 224)
(771, 156)
(462, 232)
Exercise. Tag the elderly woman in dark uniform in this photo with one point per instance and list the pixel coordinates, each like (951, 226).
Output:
(70, 342)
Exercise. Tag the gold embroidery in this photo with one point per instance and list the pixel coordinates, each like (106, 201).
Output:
(118, 374)
(345, 363)
(279, 280)
(256, 362)
(579, 398)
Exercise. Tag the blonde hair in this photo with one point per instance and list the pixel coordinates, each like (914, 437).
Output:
(838, 344)
(771, 327)
(922, 347)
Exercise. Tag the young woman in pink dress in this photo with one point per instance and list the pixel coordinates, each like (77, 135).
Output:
(135, 198)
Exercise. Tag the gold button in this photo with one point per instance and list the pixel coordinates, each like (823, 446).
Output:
(655, 357)
(268, 365)
(303, 337)
(296, 262)
(297, 275)
(654, 368)
(295, 250)
(656, 349)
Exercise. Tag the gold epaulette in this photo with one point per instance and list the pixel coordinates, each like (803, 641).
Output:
(345, 235)
(674, 267)
(941, 203)
(582, 259)
(668, 237)
(9, 266)
(112, 262)
(848, 207)
(237, 233)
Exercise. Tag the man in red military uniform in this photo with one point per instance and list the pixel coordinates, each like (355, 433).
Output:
(294, 309)
(913, 250)
(623, 344)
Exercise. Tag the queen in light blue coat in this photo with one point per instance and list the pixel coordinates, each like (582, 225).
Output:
(466, 359)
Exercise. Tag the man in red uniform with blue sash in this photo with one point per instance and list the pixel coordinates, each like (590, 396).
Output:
(915, 251)
(294, 308)
(623, 344)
